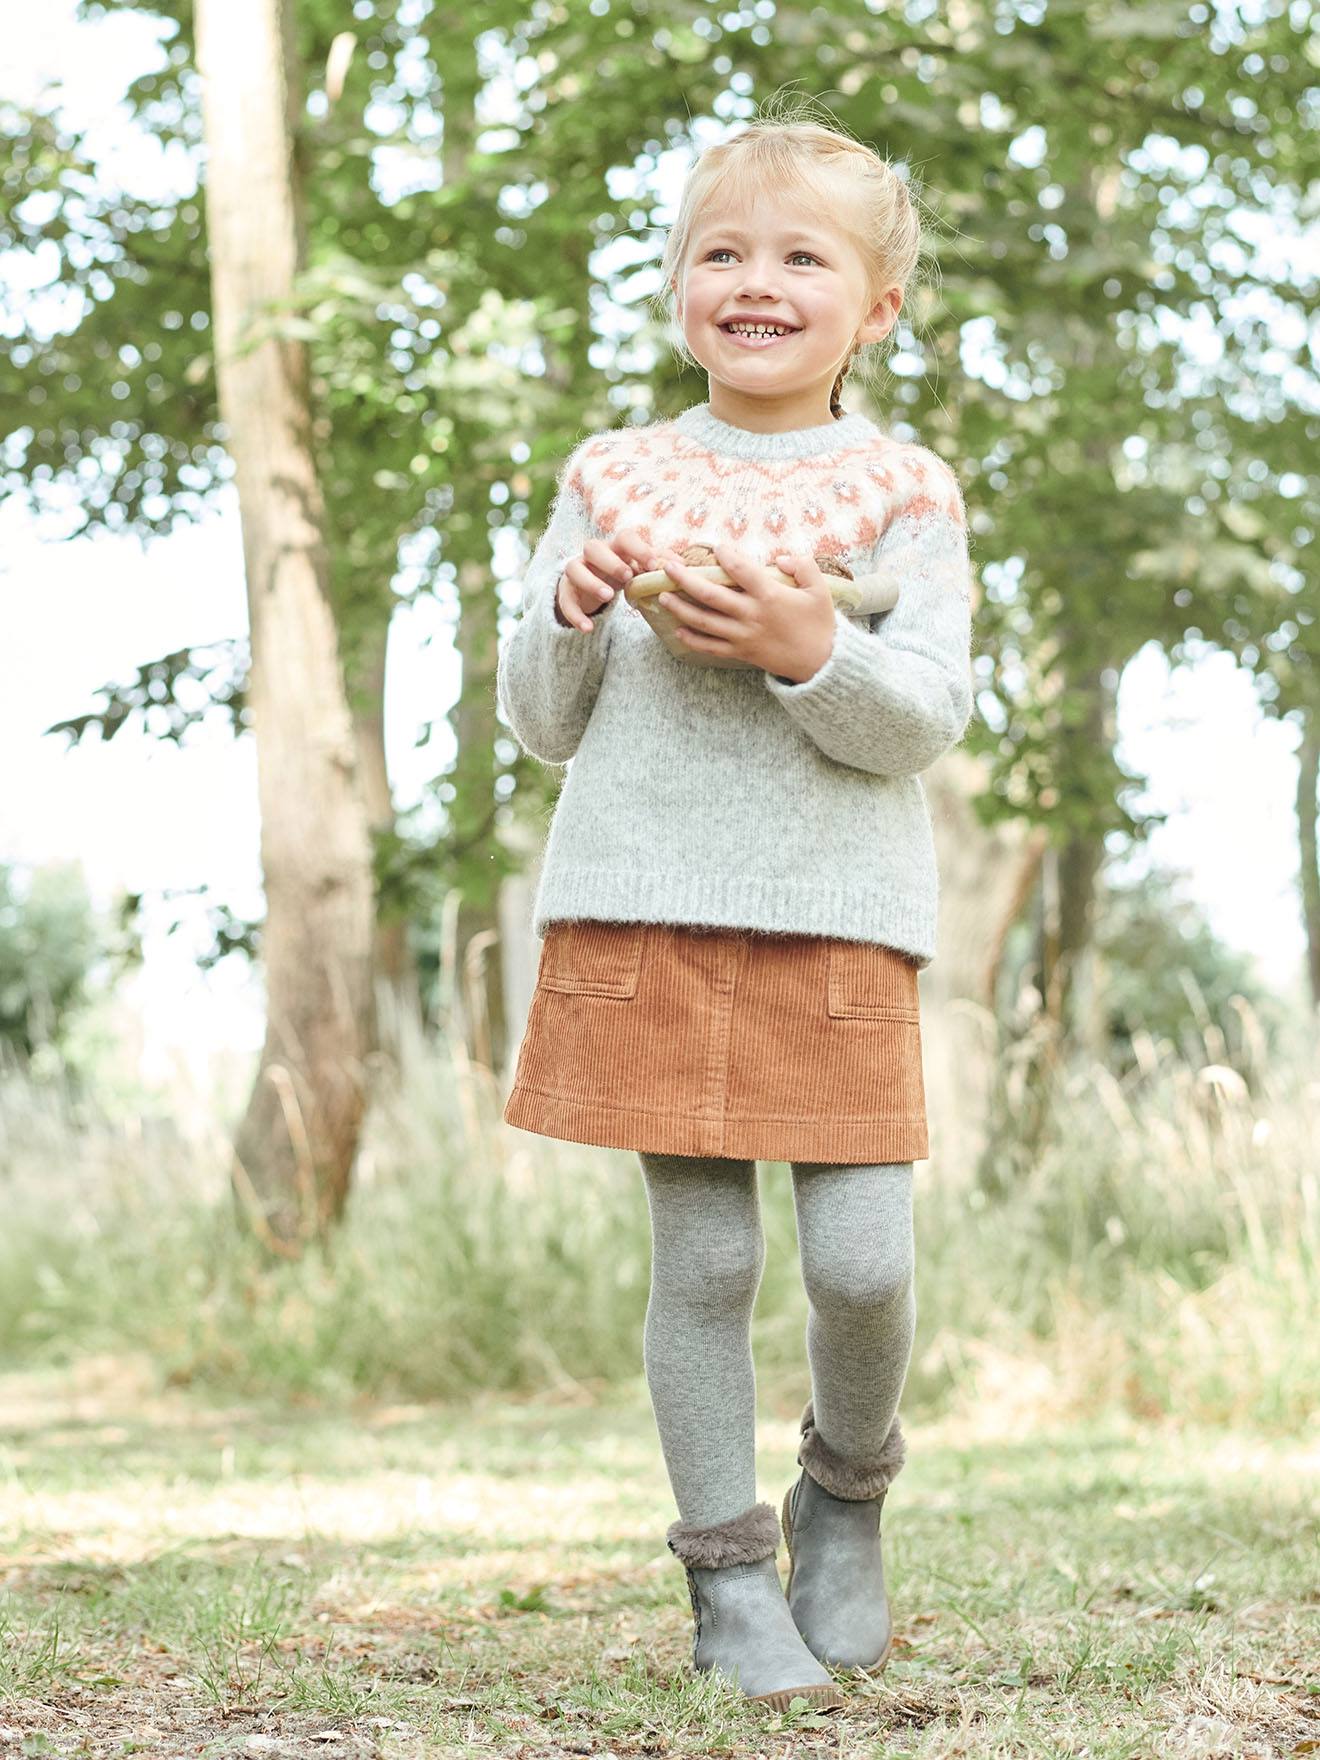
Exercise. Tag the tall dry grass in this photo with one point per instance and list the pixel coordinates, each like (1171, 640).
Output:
(1159, 1256)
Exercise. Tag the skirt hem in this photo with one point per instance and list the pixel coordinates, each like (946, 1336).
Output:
(870, 1140)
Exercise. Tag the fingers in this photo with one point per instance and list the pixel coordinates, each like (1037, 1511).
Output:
(804, 569)
(700, 586)
(603, 570)
(587, 591)
(605, 560)
(703, 607)
(752, 576)
(567, 595)
(593, 580)
(635, 549)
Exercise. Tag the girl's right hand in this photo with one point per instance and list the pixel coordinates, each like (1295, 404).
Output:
(591, 582)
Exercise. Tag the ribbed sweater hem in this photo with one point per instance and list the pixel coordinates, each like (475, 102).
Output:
(743, 901)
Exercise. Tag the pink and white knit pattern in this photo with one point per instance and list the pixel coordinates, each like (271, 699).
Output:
(666, 484)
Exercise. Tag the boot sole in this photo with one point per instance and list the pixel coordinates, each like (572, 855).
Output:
(826, 1698)
(872, 1668)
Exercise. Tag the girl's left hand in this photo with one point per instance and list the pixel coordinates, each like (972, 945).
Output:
(788, 631)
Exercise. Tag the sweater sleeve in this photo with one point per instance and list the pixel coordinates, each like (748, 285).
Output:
(548, 673)
(892, 697)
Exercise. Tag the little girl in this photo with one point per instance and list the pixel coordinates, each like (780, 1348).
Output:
(739, 885)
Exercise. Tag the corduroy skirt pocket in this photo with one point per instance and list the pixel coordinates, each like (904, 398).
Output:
(685, 1040)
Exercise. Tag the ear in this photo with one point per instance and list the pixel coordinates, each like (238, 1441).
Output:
(882, 317)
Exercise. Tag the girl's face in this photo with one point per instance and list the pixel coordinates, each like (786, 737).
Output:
(790, 265)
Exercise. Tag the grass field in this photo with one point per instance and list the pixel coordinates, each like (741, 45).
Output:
(190, 1578)
(405, 1498)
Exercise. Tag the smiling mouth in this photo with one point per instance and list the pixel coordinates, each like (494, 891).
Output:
(746, 341)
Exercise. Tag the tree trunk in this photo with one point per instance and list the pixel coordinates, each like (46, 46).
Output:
(1070, 876)
(986, 872)
(1308, 775)
(398, 994)
(520, 948)
(1065, 950)
(478, 991)
(1070, 870)
(480, 983)
(295, 1146)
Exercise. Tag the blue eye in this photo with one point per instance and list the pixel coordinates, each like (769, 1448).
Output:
(723, 251)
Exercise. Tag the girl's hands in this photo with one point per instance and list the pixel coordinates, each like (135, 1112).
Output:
(787, 631)
(590, 582)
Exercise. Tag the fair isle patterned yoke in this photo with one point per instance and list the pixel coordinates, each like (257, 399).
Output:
(734, 799)
(667, 484)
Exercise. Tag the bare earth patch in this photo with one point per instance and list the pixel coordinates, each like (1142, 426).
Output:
(179, 1578)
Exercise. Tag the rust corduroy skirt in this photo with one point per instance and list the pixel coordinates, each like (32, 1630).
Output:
(684, 1040)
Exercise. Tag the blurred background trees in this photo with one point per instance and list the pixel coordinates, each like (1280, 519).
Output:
(1113, 355)
(59, 957)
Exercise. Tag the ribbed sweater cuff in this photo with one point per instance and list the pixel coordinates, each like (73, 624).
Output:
(836, 684)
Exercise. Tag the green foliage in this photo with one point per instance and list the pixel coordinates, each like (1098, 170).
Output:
(52, 944)
(1135, 449)
(216, 666)
(1166, 975)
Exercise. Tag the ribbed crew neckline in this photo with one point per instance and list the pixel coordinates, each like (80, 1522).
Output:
(699, 424)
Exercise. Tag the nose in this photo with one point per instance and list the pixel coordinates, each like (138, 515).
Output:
(759, 286)
(760, 278)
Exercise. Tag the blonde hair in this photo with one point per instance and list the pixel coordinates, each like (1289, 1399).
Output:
(820, 163)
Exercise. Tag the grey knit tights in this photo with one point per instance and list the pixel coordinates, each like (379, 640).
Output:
(855, 1239)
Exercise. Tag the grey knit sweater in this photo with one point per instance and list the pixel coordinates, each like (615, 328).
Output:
(728, 797)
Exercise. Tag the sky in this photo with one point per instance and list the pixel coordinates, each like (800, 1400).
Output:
(145, 814)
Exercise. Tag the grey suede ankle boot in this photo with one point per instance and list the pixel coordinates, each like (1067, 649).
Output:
(743, 1628)
(836, 1578)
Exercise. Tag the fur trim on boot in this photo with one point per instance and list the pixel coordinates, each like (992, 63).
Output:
(853, 1480)
(742, 1539)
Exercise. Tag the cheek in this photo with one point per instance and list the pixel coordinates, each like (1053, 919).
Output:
(701, 303)
(823, 314)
